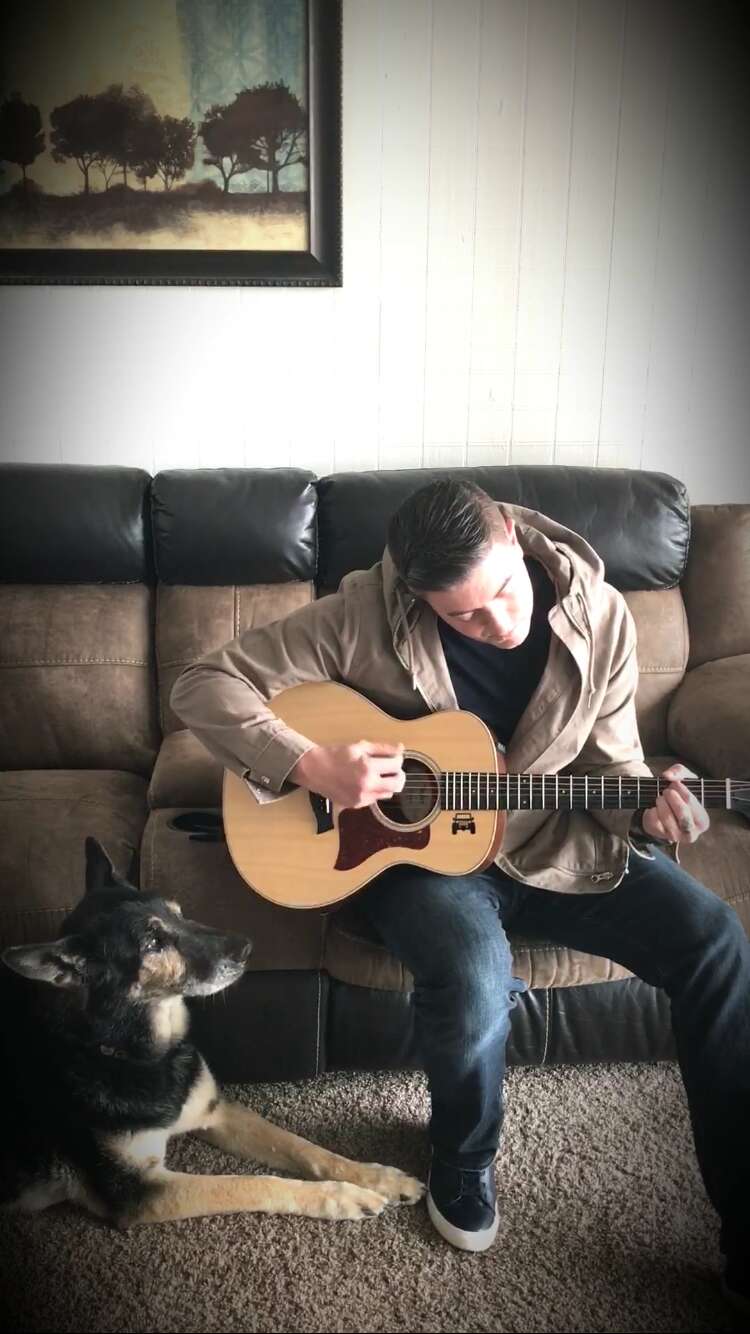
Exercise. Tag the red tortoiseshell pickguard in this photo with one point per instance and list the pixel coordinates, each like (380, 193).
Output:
(361, 835)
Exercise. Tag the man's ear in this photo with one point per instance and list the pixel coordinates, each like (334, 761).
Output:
(57, 962)
(510, 529)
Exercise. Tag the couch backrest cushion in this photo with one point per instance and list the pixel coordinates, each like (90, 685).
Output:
(717, 582)
(663, 642)
(222, 526)
(74, 524)
(638, 522)
(191, 621)
(235, 548)
(76, 663)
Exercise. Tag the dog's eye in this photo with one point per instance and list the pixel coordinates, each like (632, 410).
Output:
(153, 943)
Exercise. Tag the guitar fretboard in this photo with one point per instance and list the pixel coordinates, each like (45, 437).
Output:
(462, 791)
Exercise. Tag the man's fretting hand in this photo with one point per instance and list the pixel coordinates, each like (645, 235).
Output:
(676, 816)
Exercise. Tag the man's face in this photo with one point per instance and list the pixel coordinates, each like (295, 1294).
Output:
(495, 601)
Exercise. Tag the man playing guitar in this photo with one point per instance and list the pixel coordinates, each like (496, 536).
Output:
(500, 611)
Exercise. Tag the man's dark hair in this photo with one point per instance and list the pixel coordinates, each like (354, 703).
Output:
(440, 532)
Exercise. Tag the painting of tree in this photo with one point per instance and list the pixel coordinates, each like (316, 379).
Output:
(163, 126)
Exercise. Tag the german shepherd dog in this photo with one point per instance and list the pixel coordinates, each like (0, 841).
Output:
(101, 1075)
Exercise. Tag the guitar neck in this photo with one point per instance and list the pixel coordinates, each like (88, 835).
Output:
(462, 791)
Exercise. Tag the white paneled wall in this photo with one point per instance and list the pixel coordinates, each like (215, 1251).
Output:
(545, 260)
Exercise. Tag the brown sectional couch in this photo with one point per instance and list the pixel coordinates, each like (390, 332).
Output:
(113, 581)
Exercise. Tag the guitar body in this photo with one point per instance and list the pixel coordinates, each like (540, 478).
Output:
(299, 854)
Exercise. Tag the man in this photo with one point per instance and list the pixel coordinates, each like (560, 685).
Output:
(499, 610)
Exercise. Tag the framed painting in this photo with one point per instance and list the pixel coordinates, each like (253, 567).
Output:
(171, 142)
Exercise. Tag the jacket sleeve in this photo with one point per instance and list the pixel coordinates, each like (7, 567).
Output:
(613, 745)
(224, 697)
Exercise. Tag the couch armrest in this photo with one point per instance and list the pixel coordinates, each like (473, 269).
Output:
(708, 724)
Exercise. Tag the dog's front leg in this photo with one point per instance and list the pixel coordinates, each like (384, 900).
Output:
(238, 1131)
(173, 1195)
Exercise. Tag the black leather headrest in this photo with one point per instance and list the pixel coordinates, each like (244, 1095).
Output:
(74, 524)
(638, 522)
(234, 525)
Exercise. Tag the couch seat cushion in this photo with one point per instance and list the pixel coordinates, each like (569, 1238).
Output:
(185, 774)
(45, 817)
(202, 878)
(353, 953)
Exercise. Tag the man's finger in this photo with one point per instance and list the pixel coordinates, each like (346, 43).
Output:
(677, 771)
(669, 818)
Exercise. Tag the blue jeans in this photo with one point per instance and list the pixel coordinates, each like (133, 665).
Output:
(659, 922)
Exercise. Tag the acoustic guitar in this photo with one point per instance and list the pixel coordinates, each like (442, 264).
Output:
(302, 851)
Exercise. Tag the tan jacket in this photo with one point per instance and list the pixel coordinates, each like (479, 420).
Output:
(376, 637)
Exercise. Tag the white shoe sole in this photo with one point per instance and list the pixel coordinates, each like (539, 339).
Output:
(463, 1241)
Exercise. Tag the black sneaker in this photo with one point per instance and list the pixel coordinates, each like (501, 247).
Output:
(462, 1204)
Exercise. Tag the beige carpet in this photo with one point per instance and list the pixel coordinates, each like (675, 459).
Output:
(605, 1226)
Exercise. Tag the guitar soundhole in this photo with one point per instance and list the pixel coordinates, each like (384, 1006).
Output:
(419, 797)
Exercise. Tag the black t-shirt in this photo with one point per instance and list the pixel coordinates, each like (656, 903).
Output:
(497, 683)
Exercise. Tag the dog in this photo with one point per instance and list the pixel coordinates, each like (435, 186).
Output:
(101, 1076)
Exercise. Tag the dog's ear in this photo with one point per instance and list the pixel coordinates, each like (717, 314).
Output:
(100, 873)
(57, 962)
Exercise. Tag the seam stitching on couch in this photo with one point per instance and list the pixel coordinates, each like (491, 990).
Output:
(33, 912)
(152, 862)
(547, 1015)
(74, 662)
(317, 1025)
(650, 668)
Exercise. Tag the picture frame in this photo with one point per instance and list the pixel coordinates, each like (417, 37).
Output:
(318, 264)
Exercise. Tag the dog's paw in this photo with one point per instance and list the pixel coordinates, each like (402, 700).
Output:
(344, 1200)
(397, 1186)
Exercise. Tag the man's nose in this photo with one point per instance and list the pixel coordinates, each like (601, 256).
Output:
(496, 622)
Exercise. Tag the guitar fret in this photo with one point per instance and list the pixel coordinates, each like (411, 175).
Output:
(480, 790)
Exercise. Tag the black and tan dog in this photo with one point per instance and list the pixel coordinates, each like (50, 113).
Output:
(100, 1076)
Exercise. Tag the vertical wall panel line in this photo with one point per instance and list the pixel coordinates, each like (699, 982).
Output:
(667, 110)
(521, 176)
(621, 86)
(381, 112)
(567, 222)
(480, 30)
(427, 238)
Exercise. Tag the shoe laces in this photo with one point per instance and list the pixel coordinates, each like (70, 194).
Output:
(474, 1182)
